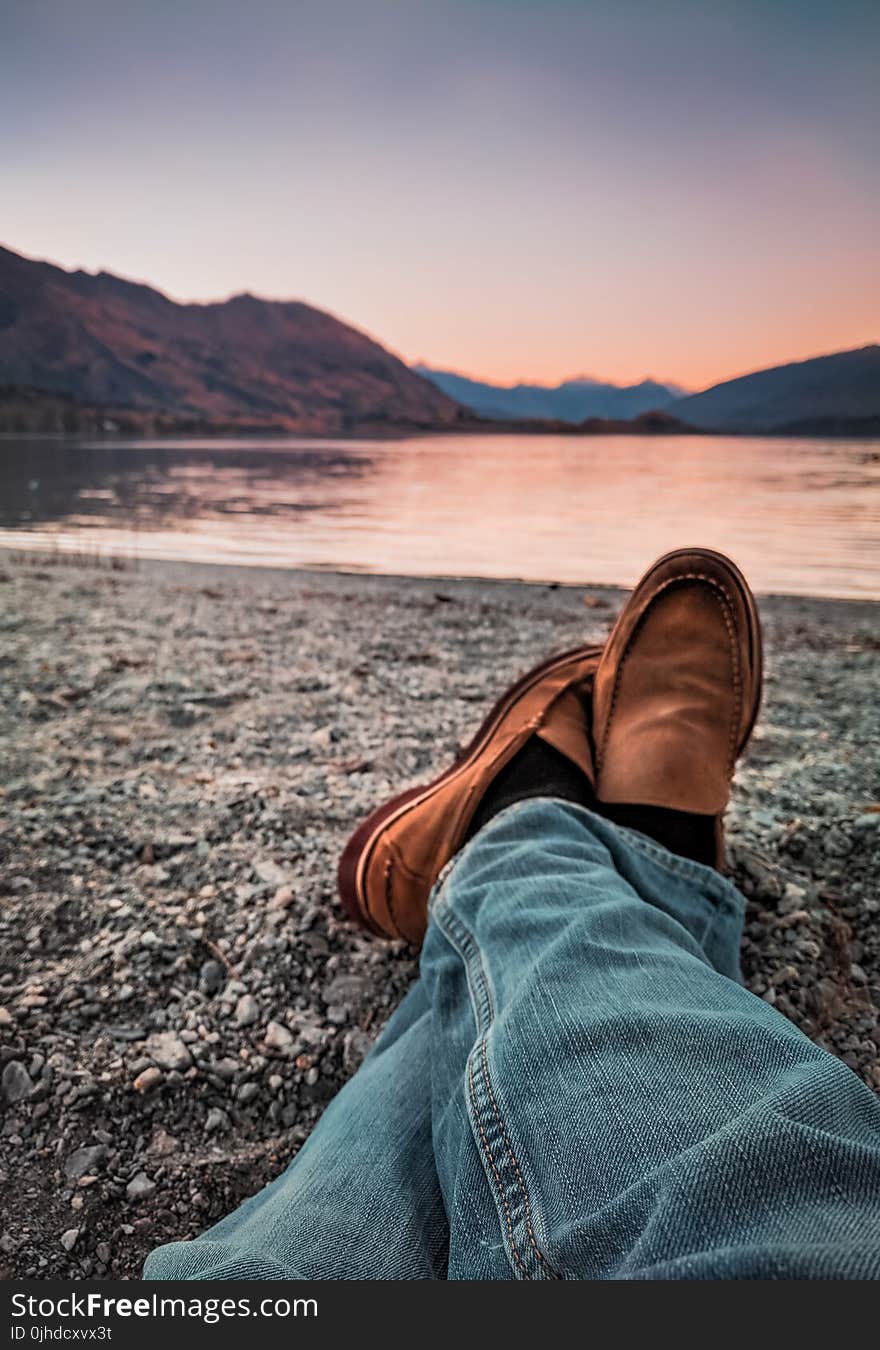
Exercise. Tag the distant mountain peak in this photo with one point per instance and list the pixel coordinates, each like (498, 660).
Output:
(573, 400)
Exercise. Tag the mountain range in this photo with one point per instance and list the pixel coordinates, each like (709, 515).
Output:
(571, 401)
(827, 394)
(97, 342)
(90, 352)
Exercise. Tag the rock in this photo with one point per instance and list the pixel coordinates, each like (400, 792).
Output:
(345, 990)
(785, 975)
(163, 1144)
(212, 976)
(102, 1251)
(226, 1068)
(278, 1038)
(283, 897)
(68, 1239)
(216, 1121)
(126, 1033)
(168, 1051)
(140, 1187)
(247, 1092)
(148, 1079)
(16, 1083)
(836, 843)
(354, 1048)
(246, 1010)
(84, 1161)
(5, 1017)
(270, 873)
(792, 898)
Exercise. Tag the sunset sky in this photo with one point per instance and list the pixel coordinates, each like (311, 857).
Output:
(681, 188)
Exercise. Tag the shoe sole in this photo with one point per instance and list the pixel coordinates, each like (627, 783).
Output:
(356, 855)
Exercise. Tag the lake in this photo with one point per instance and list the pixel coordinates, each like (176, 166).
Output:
(799, 515)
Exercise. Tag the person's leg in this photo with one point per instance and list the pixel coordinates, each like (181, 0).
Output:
(608, 1101)
(360, 1200)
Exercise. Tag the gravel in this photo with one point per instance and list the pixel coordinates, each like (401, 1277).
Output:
(183, 752)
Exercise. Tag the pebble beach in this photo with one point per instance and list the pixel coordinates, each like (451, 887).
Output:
(184, 750)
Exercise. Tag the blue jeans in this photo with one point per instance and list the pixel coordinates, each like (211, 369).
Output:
(578, 1087)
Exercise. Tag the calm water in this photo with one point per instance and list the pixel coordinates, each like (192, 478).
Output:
(798, 515)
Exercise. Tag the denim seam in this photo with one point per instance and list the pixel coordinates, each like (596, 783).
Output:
(465, 945)
(516, 1167)
(478, 984)
(494, 1169)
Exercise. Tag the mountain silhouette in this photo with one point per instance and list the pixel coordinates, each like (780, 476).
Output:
(107, 343)
(571, 401)
(834, 395)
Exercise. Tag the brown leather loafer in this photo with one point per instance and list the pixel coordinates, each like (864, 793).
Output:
(678, 687)
(391, 862)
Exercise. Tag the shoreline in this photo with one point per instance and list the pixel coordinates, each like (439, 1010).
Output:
(45, 555)
(865, 429)
(185, 747)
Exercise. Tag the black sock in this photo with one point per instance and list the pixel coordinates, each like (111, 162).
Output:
(537, 770)
(688, 835)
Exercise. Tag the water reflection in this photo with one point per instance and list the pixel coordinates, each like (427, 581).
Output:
(799, 515)
(155, 482)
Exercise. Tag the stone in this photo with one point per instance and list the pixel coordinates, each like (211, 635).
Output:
(68, 1239)
(246, 1010)
(163, 1144)
(354, 1048)
(270, 873)
(84, 1161)
(216, 1121)
(16, 1083)
(279, 1038)
(283, 897)
(140, 1187)
(226, 1068)
(345, 990)
(148, 1079)
(785, 975)
(836, 843)
(167, 1050)
(212, 976)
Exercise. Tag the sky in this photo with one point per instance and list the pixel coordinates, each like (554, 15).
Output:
(687, 189)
